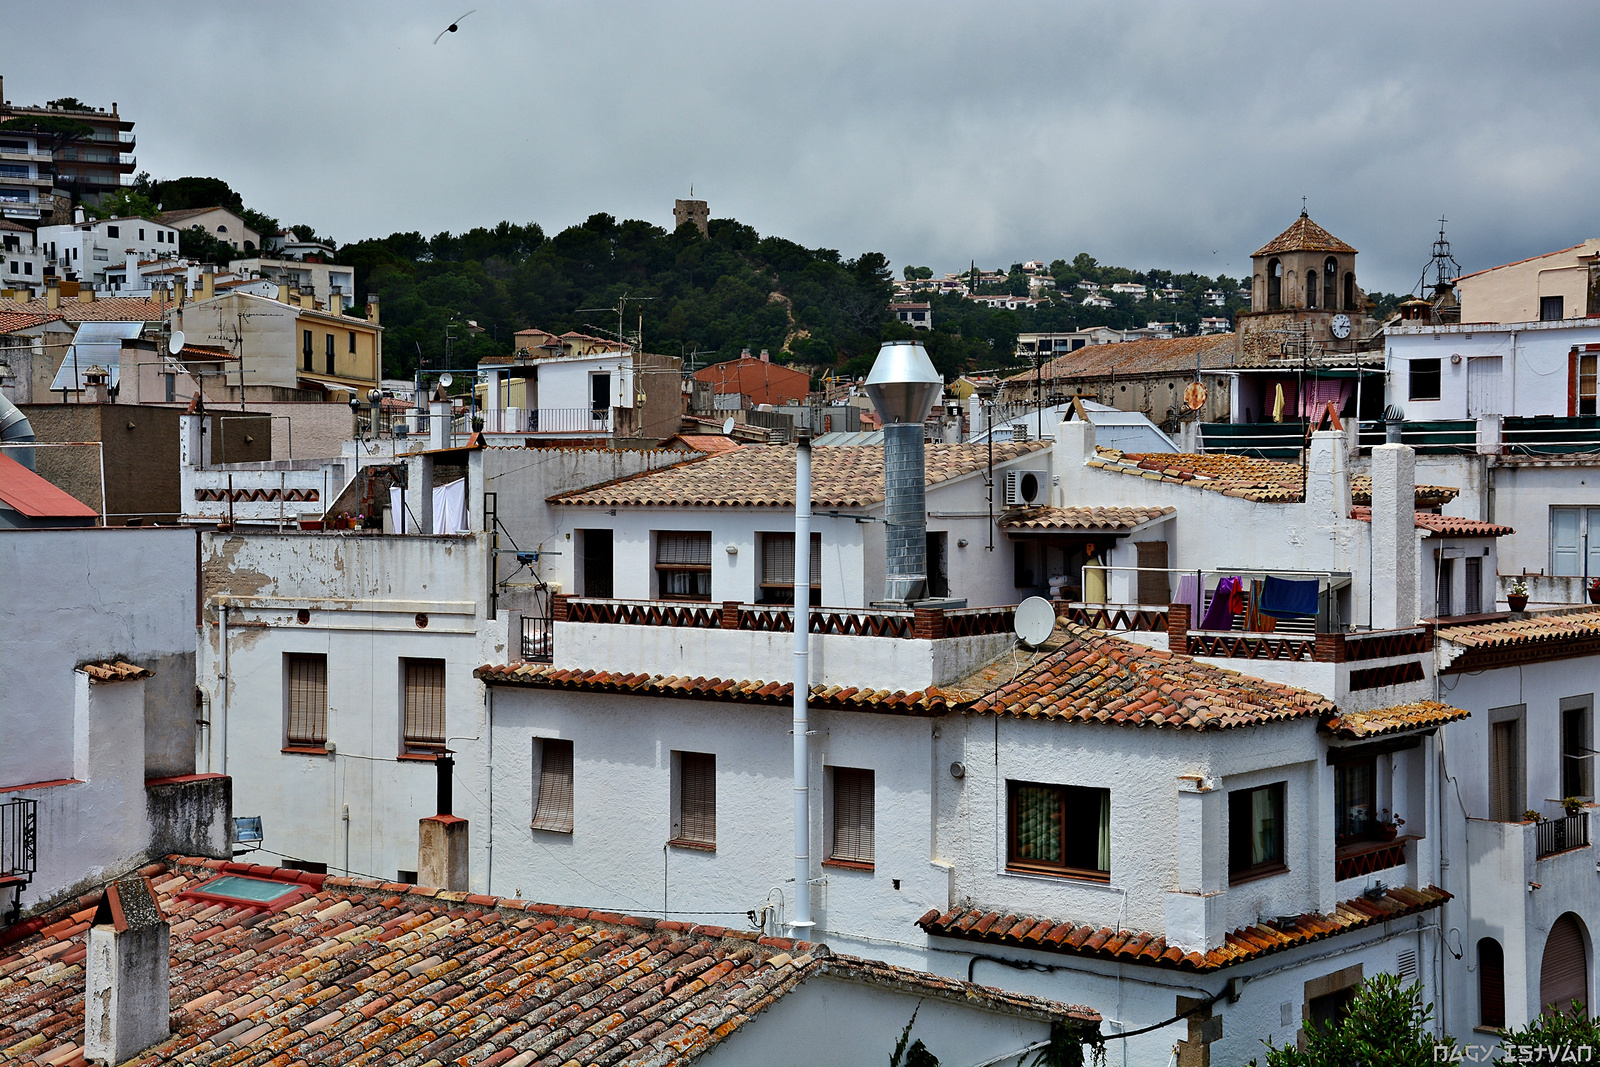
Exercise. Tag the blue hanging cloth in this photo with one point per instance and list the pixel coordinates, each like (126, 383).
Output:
(1288, 598)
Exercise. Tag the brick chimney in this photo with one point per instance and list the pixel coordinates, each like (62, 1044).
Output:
(128, 988)
(1394, 537)
(372, 308)
(52, 295)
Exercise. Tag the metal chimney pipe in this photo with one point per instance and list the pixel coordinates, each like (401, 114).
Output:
(445, 767)
(903, 386)
(802, 679)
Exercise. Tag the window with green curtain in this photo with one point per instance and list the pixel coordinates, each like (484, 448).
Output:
(1059, 829)
(1255, 830)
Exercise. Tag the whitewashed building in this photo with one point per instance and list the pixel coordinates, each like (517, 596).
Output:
(85, 250)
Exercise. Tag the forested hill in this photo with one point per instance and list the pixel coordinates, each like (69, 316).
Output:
(714, 295)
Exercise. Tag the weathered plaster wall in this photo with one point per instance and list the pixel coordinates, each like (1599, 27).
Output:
(77, 596)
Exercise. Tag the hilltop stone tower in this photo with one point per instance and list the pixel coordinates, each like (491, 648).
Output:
(694, 211)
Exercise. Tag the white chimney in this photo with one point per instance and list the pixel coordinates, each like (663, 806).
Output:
(127, 990)
(1327, 477)
(1394, 537)
(132, 281)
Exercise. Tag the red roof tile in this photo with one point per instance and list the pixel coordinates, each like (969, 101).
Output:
(1445, 525)
(1082, 518)
(114, 671)
(21, 320)
(367, 971)
(1532, 630)
(24, 491)
(101, 309)
(1094, 677)
(1420, 714)
(763, 476)
(1129, 946)
(770, 694)
(1262, 480)
(1174, 355)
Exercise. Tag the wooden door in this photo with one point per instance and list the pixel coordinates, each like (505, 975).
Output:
(1154, 585)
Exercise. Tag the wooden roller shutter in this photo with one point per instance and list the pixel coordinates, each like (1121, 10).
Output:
(308, 701)
(852, 815)
(697, 798)
(1154, 587)
(554, 808)
(424, 704)
(1504, 794)
(1564, 974)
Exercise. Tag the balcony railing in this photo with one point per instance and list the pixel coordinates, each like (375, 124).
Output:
(1368, 857)
(922, 623)
(18, 849)
(538, 643)
(1305, 648)
(1559, 835)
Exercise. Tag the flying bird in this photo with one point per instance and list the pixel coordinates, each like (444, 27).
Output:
(453, 27)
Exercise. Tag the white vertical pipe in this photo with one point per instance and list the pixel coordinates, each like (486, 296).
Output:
(802, 679)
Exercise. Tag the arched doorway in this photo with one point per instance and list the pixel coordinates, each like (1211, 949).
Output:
(1564, 973)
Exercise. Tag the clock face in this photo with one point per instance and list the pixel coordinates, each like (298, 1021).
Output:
(1341, 326)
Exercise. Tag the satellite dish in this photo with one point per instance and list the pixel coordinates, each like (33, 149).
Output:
(445, 380)
(727, 425)
(175, 342)
(1035, 621)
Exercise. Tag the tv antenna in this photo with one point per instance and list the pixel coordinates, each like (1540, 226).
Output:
(637, 340)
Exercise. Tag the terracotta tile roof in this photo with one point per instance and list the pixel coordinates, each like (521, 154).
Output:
(1532, 630)
(101, 309)
(114, 672)
(1445, 525)
(21, 320)
(28, 493)
(1081, 518)
(763, 476)
(709, 443)
(772, 694)
(364, 966)
(1427, 496)
(1133, 946)
(172, 218)
(1174, 355)
(364, 971)
(1303, 235)
(1263, 480)
(1093, 677)
(1391, 720)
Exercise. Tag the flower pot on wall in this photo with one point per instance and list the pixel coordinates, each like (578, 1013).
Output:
(1517, 603)
(1385, 832)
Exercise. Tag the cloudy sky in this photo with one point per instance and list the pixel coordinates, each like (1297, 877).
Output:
(1178, 135)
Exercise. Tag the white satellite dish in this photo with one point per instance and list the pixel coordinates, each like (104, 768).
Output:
(727, 425)
(1035, 621)
(175, 342)
(445, 380)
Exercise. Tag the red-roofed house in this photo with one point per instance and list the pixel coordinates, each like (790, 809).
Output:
(29, 502)
(759, 381)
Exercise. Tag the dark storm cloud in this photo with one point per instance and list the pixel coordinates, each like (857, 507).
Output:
(1179, 135)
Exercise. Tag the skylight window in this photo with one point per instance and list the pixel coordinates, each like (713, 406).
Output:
(251, 892)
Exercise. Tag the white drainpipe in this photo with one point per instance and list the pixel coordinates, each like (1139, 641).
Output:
(802, 680)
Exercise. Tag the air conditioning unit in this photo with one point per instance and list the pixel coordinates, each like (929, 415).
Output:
(1025, 488)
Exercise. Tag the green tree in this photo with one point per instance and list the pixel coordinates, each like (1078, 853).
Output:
(69, 103)
(1565, 1031)
(126, 203)
(1386, 1026)
(198, 243)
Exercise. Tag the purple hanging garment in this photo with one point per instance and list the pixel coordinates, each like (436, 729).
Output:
(1220, 615)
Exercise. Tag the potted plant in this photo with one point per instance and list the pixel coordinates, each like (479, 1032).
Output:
(1532, 816)
(1594, 590)
(1573, 805)
(1388, 826)
(1517, 595)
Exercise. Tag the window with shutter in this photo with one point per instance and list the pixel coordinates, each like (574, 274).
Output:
(1445, 576)
(683, 565)
(852, 816)
(1154, 586)
(1564, 972)
(424, 705)
(553, 807)
(777, 568)
(1566, 537)
(1491, 984)
(1059, 829)
(1474, 592)
(306, 724)
(1505, 787)
(695, 822)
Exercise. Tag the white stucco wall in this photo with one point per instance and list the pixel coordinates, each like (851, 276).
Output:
(363, 593)
(1533, 367)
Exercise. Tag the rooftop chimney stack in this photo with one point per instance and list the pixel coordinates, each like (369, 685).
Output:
(442, 838)
(903, 386)
(128, 988)
(1394, 537)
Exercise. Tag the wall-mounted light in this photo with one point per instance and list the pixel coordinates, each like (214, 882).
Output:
(733, 550)
(962, 543)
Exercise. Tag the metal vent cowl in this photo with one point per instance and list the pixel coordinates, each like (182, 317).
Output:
(903, 387)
